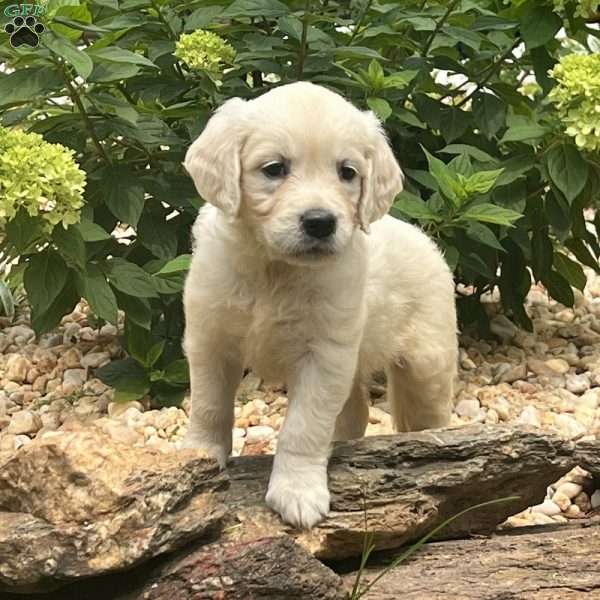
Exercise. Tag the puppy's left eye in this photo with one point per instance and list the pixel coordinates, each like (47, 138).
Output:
(347, 173)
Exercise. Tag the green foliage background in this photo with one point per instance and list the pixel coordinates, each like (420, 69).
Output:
(490, 170)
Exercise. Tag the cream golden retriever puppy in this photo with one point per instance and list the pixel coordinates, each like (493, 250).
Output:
(299, 274)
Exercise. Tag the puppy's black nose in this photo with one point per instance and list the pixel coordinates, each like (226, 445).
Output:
(318, 223)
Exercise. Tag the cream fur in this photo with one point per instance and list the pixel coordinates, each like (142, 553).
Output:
(324, 322)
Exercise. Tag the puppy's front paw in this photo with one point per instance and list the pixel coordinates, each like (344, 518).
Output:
(216, 451)
(301, 498)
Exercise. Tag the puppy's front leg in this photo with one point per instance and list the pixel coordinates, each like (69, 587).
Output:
(215, 373)
(317, 391)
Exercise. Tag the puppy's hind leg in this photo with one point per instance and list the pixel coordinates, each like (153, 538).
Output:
(421, 394)
(352, 421)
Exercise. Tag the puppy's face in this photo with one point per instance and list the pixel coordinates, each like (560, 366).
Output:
(300, 166)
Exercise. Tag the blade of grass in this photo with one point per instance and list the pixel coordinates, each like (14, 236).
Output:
(410, 551)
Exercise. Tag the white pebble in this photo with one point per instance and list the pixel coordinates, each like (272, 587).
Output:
(595, 499)
(468, 408)
(259, 433)
(577, 384)
(570, 490)
(547, 507)
(530, 416)
(24, 421)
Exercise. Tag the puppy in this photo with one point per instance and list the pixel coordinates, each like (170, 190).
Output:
(299, 274)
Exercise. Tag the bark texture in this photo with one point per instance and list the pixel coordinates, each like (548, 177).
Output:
(554, 565)
(79, 504)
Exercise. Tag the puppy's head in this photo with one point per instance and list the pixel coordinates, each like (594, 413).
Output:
(300, 165)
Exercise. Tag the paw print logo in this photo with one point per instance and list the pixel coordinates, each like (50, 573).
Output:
(24, 32)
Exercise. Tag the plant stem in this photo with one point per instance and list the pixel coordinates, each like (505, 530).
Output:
(439, 26)
(493, 70)
(360, 21)
(76, 98)
(303, 41)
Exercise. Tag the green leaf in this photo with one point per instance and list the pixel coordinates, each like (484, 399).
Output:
(482, 182)
(455, 122)
(137, 310)
(95, 289)
(583, 255)
(570, 270)
(380, 107)
(490, 213)
(568, 170)
(23, 231)
(177, 372)
(154, 353)
(129, 278)
(80, 61)
(414, 207)
(130, 389)
(45, 320)
(522, 133)
(448, 184)
(255, 8)
(177, 265)
(120, 55)
(484, 235)
(489, 114)
(118, 372)
(539, 25)
(471, 151)
(71, 245)
(7, 302)
(541, 254)
(90, 232)
(107, 72)
(123, 195)
(202, 17)
(157, 235)
(24, 85)
(558, 287)
(166, 395)
(44, 279)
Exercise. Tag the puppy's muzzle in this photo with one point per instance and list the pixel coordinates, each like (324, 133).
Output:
(318, 223)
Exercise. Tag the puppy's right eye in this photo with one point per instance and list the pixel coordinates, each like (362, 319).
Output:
(275, 169)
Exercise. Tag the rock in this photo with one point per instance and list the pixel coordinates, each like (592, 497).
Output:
(26, 334)
(116, 409)
(557, 365)
(504, 328)
(595, 499)
(98, 506)
(530, 416)
(250, 383)
(71, 333)
(511, 373)
(577, 384)
(94, 360)
(563, 502)
(24, 421)
(273, 567)
(259, 433)
(468, 408)
(568, 427)
(108, 331)
(73, 379)
(583, 501)
(71, 359)
(547, 507)
(570, 490)
(573, 512)
(16, 368)
(121, 433)
(542, 519)
(21, 440)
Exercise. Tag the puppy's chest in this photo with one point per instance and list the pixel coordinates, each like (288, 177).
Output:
(275, 320)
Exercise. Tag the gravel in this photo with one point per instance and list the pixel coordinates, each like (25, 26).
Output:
(547, 379)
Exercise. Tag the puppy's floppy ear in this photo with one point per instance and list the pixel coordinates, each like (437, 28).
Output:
(383, 180)
(213, 160)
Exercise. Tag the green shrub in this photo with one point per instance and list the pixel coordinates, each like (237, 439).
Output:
(500, 160)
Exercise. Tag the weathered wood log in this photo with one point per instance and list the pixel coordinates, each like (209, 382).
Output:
(406, 484)
(80, 504)
(560, 564)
